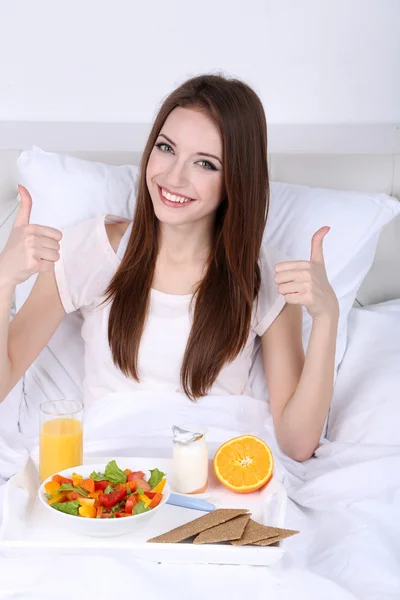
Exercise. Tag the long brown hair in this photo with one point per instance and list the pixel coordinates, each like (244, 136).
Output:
(224, 299)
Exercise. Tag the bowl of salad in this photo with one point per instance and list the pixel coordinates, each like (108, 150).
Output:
(104, 500)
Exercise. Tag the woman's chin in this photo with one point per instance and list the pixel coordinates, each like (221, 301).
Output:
(171, 217)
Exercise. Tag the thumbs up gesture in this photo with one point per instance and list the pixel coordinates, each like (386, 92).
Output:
(306, 282)
(30, 248)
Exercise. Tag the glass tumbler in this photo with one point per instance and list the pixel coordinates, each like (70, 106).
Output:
(60, 436)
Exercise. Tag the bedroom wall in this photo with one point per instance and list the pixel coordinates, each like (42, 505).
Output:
(312, 61)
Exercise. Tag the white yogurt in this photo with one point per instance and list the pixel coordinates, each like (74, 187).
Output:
(190, 462)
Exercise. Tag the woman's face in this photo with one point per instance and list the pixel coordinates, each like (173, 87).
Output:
(184, 174)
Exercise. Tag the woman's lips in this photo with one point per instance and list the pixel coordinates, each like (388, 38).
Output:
(172, 203)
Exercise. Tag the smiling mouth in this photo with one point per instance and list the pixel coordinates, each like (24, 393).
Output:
(172, 199)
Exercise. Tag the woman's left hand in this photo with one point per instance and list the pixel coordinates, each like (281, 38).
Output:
(306, 282)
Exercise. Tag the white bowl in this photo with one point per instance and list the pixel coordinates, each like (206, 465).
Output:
(101, 527)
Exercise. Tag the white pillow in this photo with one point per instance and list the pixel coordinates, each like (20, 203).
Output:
(66, 190)
(366, 402)
(356, 220)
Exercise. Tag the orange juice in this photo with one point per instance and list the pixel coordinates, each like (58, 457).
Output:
(61, 446)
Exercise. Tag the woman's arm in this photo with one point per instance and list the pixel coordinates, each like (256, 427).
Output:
(301, 387)
(30, 249)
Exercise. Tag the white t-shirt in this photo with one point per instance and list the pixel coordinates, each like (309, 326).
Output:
(87, 264)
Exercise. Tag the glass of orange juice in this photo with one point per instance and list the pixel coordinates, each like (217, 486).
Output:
(61, 436)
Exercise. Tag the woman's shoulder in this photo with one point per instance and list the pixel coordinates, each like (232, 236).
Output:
(88, 259)
(101, 228)
(92, 243)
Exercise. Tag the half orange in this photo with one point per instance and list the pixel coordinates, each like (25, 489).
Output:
(244, 464)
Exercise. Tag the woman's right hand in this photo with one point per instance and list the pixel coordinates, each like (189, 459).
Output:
(30, 249)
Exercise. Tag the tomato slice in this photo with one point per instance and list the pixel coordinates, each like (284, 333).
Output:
(110, 500)
(74, 496)
(146, 487)
(150, 494)
(130, 503)
(101, 485)
(135, 475)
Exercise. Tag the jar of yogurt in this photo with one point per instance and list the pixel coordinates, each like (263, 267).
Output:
(190, 459)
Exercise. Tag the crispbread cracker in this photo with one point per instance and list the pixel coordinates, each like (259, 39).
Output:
(255, 532)
(211, 519)
(224, 532)
(267, 542)
(282, 535)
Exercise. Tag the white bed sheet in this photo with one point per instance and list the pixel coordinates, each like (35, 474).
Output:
(345, 501)
(366, 407)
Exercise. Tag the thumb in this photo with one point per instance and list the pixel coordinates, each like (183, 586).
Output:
(317, 254)
(25, 207)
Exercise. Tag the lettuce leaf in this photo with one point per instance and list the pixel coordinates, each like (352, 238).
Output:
(114, 474)
(109, 490)
(155, 477)
(118, 507)
(71, 508)
(140, 507)
(68, 487)
(97, 476)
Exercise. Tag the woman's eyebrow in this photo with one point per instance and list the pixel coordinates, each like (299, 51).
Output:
(199, 153)
(210, 156)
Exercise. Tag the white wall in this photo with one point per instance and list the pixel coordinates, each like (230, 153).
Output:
(311, 61)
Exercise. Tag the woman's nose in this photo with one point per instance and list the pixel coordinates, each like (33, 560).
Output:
(176, 175)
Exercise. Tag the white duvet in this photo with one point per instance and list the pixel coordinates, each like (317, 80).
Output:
(345, 501)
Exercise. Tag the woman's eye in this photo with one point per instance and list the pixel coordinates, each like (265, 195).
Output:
(164, 147)
(207, 165)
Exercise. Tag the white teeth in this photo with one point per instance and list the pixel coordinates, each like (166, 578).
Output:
(173, 198)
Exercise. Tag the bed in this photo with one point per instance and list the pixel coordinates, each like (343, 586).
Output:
(346, 499)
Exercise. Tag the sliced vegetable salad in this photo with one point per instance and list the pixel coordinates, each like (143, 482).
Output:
(109, 495)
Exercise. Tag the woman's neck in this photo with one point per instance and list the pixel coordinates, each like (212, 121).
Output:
(185, 243)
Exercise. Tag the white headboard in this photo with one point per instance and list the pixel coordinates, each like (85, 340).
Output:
(348, 157)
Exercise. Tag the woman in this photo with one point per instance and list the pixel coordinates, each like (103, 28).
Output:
(176, 299)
